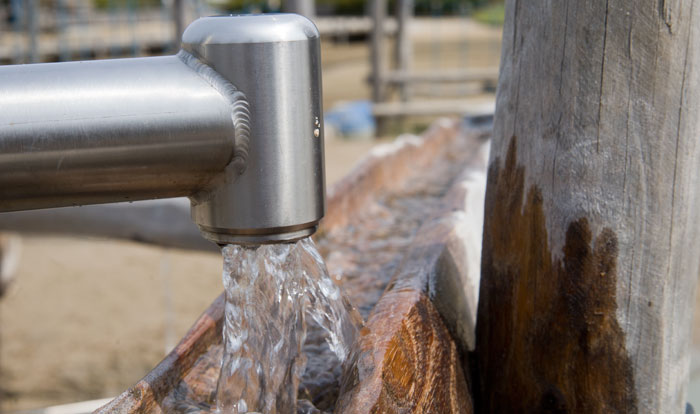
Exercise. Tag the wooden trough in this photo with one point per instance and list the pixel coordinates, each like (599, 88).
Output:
(402, 236)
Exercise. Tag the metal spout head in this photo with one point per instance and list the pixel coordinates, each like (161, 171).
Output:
(274, 189)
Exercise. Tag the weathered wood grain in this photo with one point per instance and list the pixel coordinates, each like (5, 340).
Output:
(406, 360)
(591, 233)
(410, 365)
(384, 169)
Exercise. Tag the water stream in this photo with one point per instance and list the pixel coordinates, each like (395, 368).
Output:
(271, 290)
(362, 255)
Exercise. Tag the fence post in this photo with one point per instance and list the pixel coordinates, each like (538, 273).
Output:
(591, 238)
(32, 30)
(306, 8)
(404, 50)
(178, 22)
(377, 54)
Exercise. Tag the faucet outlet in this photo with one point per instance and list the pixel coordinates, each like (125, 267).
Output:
(233, 121)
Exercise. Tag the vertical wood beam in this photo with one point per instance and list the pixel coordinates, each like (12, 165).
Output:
(377, 56)
(591, 234)
(32, 15)
(404, 49)
(178, 22)
(378, 49)
(306, 8)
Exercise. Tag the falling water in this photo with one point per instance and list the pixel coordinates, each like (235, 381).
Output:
(270, 291)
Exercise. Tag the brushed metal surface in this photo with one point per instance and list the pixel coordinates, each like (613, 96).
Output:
(275, 61)
(233, 122)
(105, 131)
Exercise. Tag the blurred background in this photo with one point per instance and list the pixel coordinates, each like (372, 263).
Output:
(82, 315)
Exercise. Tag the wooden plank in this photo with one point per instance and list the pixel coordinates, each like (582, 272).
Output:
(411, 367)
(382, 170)
(462, 107)
(590, 246)
(405, 360)
(448, 90)
(443, 76)
(351, 25)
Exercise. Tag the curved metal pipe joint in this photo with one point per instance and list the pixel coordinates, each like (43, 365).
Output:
(276, 191)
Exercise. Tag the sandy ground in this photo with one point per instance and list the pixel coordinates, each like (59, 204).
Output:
(86, 318)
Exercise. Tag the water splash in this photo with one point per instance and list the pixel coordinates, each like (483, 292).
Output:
(270, 290)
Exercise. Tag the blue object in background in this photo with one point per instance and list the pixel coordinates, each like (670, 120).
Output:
(352, 120)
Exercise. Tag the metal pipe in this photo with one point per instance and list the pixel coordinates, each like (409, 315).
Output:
(233, 121)
(106, 131)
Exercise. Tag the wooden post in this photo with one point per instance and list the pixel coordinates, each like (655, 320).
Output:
(306, 8)
(377, 55)
(32, 14)
(404, 49)
(591, 238)
(178, 22)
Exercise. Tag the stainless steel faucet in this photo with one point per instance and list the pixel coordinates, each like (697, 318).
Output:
(233, 121)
